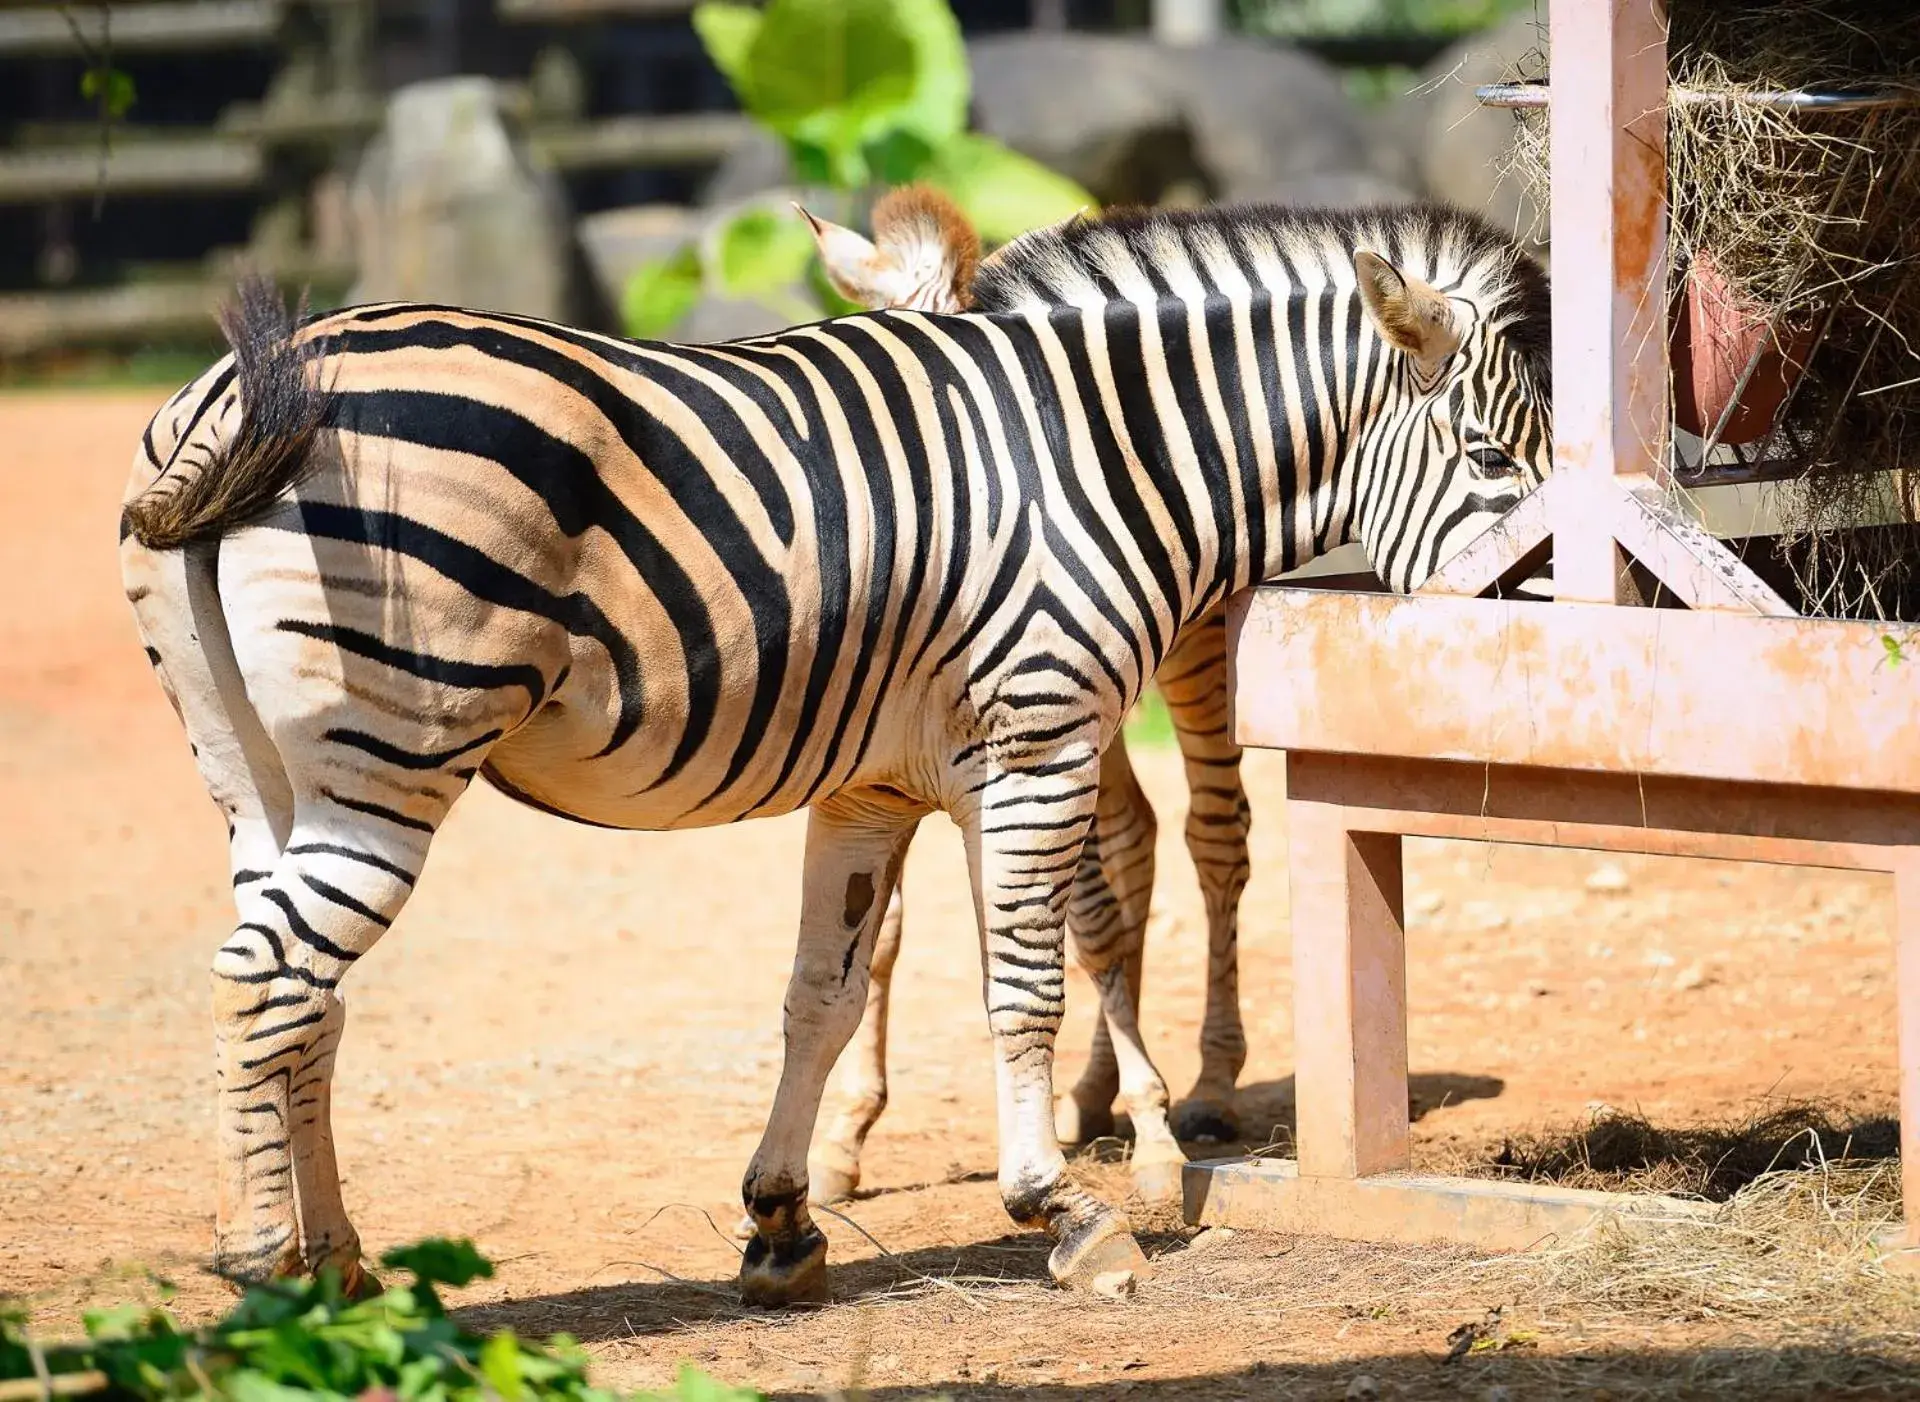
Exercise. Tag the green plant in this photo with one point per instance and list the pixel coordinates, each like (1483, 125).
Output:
(293, 1340)
(863, 94)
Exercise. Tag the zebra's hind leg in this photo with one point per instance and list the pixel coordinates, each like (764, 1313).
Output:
(1025, 829)
(1193, 681)
(1107, 918)
(1108, 921)
(856, 843)
(833, 1168)
(278, 1017)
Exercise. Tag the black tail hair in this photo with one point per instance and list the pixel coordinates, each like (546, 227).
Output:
(281, 409)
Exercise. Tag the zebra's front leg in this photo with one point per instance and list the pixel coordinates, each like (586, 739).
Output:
(856, 843)
(833, 1169)
(1024, 834)
(1108, 920)
(1193, 682)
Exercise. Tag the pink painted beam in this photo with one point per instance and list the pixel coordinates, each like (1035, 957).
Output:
(1608, 217)
(1699, 694)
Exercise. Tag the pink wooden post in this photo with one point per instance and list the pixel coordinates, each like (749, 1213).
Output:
(1907, 990)
(1350, 995)
(1608, 110)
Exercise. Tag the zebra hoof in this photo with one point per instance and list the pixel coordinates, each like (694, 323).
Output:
(1074, 1124)
(1205, 1121)
(827, 1184)
(358, 1283)
(1157, 1180)
(1096, 1254)
(777, 1274)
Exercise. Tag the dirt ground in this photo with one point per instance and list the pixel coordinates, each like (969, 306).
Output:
(566, 1047)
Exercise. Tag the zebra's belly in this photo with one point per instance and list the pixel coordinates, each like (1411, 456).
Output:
(555, 764)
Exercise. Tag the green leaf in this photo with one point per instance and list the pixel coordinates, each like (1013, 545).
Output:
(760, 251)
(835, 75)
(660, 294)
(500, 1362)
(111, 88)
(899, 157)
(727, 30)
(692, 1385)
(439, 1261)
(1002, 192)
(1895, 653)
(116, 1322)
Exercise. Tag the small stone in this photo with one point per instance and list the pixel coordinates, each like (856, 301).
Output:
(1427, 903)
(1499, 1393)
(1362, 1388)
(1210, 1238)
(1537, 988)
(1608, 880)
(1114, 1285)
(1692, 977)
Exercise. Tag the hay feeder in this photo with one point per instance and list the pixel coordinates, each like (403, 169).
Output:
(1731, 727)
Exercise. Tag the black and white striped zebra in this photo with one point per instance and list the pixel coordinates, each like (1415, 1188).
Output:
(882, 565)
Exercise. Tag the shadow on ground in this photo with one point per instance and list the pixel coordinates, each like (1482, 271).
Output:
(1752, 1373)
(1267, 1107)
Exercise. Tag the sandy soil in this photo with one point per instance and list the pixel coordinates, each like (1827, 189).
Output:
(567, 1045)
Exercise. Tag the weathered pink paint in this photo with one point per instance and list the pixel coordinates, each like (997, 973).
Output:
(1350, 996)
(1907, 991)
(1576, 686)
(1608, 220)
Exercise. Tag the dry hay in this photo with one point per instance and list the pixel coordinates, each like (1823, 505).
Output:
(1619, 1152)
(1815, 215)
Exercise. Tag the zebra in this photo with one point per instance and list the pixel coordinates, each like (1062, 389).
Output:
(924, 255)
(871, 567)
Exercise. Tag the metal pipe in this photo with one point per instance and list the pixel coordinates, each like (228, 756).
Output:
(1534, 95)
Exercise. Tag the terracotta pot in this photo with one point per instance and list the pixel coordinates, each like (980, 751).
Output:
(1714, 332)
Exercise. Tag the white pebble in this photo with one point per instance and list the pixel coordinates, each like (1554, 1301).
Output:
(1363, 1388)
(1608, 880)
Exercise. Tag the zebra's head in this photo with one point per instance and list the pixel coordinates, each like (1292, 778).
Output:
(1458, 425)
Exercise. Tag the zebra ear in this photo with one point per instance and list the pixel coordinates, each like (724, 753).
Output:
(1411, 315)
(858, 271)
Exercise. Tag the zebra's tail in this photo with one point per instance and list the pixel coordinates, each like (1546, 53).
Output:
(281, 409)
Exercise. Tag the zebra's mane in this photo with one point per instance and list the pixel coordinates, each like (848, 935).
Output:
(1083, 261)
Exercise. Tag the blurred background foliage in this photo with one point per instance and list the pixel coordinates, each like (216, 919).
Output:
(864, 95)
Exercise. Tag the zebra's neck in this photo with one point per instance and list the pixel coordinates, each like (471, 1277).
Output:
(1234, 414)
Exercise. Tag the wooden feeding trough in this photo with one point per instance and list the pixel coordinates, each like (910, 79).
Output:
(1732, 728)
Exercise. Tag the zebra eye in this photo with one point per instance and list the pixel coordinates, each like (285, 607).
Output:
(1492, 462)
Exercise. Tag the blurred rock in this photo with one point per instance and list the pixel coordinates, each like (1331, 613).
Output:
(615, 242)
(1462, 148)
(1341, 190)
(1137, 122)
(1127, 117)
(448, 206)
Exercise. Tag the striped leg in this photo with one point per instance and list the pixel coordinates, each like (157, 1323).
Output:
(1024, 837)
(856, 843)
(833, 1169)
(1193, 680)
(278, 1017)
(1108, 920)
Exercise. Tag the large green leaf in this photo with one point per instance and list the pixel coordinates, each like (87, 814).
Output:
(759, 251)
(727, 30)
(660, 294)
(1002, 192)
(834, 75)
